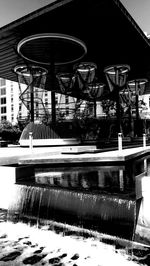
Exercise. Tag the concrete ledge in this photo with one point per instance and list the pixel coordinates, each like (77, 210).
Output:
(48, 142)
(142, 185)
(12, 174)
(9, 175)
(87, 157)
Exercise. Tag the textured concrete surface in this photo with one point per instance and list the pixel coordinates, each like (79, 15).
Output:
(16, 154)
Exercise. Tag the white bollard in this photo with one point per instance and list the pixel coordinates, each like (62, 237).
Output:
(145, 166)
(144, 140)
(30, 141)
(120, 141)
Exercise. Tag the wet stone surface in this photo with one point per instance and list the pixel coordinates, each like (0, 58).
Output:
(33, 259)
(21, 244)
(11, 256)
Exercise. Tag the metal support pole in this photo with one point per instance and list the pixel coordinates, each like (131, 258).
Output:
(53, 106)
(53, 103)
(131, 123)
(31, 86)
(32, 102)
(137, 107)
(137, 99)
(118, 102)
(95, 105)
(118, 113)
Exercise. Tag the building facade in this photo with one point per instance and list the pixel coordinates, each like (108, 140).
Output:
(9, 100)
(13, 108)
(15, 104)
(145, 109)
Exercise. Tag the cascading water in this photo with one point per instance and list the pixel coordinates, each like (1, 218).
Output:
(59, 196)
(79, 209)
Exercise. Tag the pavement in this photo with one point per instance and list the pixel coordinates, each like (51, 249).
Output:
(12, 154)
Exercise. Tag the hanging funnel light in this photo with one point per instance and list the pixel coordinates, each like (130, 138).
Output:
(96, 90)
(116, 76)
(85, 72)
(66, 82)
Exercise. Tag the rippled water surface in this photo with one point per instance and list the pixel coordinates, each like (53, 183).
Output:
(22, 244)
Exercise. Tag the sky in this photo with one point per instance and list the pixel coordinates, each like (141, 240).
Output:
(140, 11)
(11, 10)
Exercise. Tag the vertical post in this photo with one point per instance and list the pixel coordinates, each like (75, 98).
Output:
(137, 107)
(137, 100)
(95, 105)
(30, 141)
(118, 101)
(144, 140)
(131, 122)
(53, 104)
(31, 94)
(32, 102)
(120, 141)
(118, 110)
(145, 166)
(53, 107)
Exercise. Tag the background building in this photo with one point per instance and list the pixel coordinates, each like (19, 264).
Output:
(13, 109)
(9, 100)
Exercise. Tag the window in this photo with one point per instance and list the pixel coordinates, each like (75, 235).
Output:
(2, 82)
(37, 104)
(3, 109)
(66, 99)
(46, 93)
(12, 118)
(12, 99)
(20, 115)
(56, 99)
(67, 111)
(149, 101)
(3, 91)
(46, 102)
(3, 117)
(12, 107)
(20, 105)
(3, 100)
(37, 114)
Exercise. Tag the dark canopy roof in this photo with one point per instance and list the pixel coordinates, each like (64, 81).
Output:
(107, 29)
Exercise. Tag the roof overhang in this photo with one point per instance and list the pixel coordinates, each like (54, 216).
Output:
(105, 26)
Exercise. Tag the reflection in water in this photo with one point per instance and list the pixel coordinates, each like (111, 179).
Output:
(108, 179)
(102, 198)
